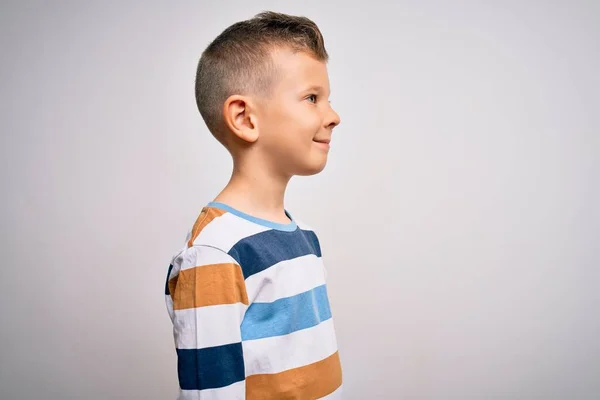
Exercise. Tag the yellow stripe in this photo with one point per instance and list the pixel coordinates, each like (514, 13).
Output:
(206, 216)
(208, 285)
(312, 381)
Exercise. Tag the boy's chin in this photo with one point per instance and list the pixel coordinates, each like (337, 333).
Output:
(312, 169)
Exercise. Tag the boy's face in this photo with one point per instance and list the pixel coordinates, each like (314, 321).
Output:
(296, 121)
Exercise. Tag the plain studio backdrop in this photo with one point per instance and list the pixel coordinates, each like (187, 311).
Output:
(458, 213)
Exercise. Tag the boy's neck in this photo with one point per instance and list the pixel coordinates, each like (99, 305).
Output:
(256, 192)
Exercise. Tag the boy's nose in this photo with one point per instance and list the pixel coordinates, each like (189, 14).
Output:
(333, 119)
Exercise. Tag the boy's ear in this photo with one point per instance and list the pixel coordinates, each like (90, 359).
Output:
(240, 117)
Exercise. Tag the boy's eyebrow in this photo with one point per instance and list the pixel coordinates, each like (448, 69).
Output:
(316, 88)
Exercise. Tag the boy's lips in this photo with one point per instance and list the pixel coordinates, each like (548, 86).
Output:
(323, 143)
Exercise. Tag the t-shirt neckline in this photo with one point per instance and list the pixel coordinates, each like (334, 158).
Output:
(260, 221)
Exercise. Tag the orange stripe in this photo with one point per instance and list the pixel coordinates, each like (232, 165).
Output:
(172, 286)
(206, 216)
(208, 285)
(312, 381)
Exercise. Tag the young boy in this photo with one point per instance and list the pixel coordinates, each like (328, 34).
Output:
(247, 294)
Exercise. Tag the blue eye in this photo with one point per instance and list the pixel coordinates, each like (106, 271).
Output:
(313, 95)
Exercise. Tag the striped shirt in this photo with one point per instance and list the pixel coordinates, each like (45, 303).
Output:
(251, 317)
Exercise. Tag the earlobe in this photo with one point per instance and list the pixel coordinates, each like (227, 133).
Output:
(239, 118)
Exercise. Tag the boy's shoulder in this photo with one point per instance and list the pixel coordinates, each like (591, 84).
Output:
(221, 236)
(222, 229)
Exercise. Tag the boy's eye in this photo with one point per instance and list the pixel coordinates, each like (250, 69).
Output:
(311, 96)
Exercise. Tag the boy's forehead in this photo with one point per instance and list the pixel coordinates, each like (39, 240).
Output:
(298, 69)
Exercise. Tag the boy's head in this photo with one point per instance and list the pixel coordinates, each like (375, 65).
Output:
(262, 89)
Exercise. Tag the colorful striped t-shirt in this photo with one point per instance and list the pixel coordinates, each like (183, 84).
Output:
(250, 312)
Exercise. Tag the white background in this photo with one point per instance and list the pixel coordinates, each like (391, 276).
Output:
(458, 213)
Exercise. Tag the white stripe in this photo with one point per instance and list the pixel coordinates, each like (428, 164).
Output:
(225, 231)
(281, 353)
(197, 328)
(200, 255)
(169, 302)
(285, 279)
(235, 391)
(337, 395)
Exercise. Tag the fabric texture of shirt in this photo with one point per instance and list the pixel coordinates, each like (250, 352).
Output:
(250, 312)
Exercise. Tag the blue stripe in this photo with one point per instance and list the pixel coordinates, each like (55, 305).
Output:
(210, 368)
(258, 252)
(286, 315)
(291, 226)
(167, 284)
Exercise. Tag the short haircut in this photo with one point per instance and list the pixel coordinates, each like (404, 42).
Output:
(239, 61)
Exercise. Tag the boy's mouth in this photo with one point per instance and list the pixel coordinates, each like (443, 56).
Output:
(323, 143)
(325, 140)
